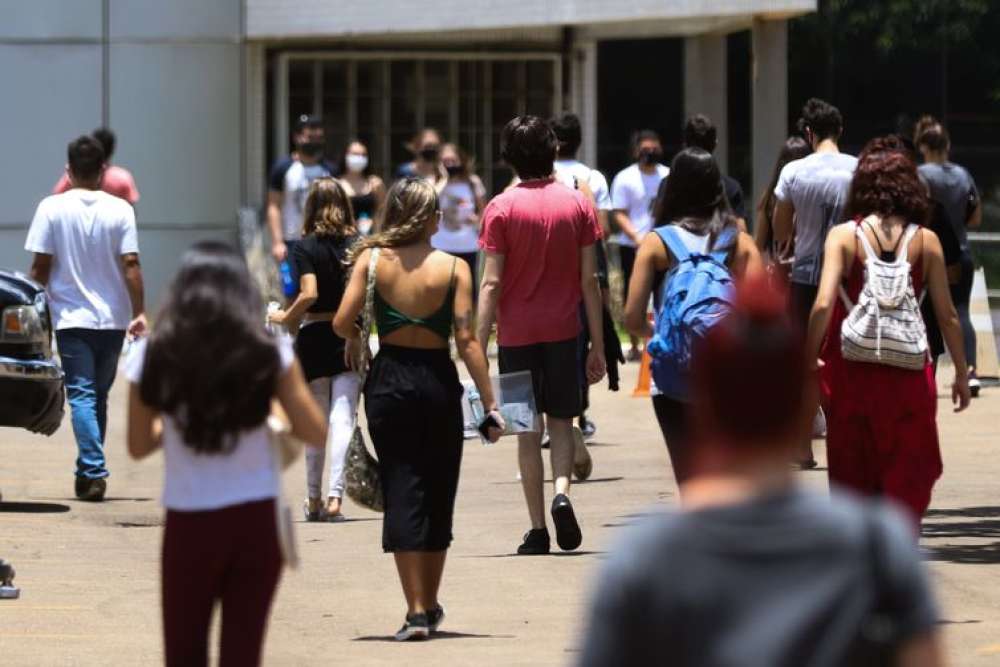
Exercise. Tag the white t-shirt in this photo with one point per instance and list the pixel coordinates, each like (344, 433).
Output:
(86, 232)
(292, 179)
(457, 234)
(567, 170)
(195, 482)
(817, 185)
(633, 191)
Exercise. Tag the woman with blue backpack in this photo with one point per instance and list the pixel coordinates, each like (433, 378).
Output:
(877, 380)
(689, 266)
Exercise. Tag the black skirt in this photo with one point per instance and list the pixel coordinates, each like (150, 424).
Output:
(320, 351)
(414, 410)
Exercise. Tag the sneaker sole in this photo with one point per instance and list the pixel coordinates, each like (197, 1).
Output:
(413, 634)
(568, 535)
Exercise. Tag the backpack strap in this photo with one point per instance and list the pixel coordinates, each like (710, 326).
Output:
(724, 244)
(904, 242)
(674, 244)
(870, 253)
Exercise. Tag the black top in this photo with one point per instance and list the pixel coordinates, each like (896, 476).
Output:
(324, 256)
(734, 193)
(363, 206)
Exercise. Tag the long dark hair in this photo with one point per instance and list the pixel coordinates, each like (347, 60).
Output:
(692, 196)
(210, 364)
(794, 148)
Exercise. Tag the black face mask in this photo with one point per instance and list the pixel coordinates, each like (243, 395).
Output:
(430, 154)
(311, 148)
(650, 156)
(454, 169)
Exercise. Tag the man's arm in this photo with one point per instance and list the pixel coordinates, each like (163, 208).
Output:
(783, 224)
(278, 249)
(489, 296)
(624, 223)
(596, 363)
(41, 268)
(133, 282)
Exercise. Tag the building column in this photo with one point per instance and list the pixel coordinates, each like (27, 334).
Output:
(583, 97)
(769, 77)
(706, 87)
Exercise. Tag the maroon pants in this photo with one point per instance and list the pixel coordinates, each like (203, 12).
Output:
(231, 555)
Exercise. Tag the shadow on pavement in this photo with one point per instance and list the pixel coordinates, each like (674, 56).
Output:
(557, 554)
(34, 508)
(978, 554)
(436, 635)
(964, 512)
(981, 529)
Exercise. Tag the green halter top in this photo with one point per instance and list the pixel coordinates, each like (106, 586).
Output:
(388, 319)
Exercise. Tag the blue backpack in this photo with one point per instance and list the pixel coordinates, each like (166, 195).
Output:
(696, 294)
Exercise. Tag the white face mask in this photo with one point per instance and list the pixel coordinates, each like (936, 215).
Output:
(356, 162)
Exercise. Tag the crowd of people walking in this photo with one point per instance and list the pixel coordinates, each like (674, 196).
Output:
(823, 305)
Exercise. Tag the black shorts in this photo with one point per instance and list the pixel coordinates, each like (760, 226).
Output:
(554, 378)
(801, 298)
(413, 404)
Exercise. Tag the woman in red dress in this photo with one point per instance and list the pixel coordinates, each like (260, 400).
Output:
(882, 436)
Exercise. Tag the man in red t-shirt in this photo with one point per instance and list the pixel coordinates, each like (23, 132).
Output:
(540, 264)
(115, 180)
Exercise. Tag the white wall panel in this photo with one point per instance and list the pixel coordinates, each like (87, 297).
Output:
(52, 94)
(50, 19)
(175, 19)
(176, 110)
(302, 18)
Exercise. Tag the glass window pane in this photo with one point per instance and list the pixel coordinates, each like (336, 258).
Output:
(540, 105)
(469, 77)
(437, 77)
(369, 77)
(505, 76)
(334, 78)
(403, 75)
(397, 148)
(369, 112)
(334, 113)
(300, 77)
(404, 113)
(469, 111)
(437, 113)
(504, 109)
(540, 76)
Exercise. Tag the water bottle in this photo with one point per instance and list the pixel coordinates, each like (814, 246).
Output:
(287, 283)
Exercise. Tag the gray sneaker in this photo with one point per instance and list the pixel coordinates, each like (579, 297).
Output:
(415, 627)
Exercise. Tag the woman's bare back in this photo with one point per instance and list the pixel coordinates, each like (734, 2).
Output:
(415, 280)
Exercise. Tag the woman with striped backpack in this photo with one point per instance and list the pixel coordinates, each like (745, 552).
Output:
(876, 377)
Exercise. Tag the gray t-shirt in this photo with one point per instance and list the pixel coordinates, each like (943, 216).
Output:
(952, 187)
(817, 185)
(783, 581)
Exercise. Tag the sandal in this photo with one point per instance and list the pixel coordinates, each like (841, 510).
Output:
(313, 515)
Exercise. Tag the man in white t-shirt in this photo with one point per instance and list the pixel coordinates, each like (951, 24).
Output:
(86, 254)
(812, 193)
(288, 185)
(633, 191)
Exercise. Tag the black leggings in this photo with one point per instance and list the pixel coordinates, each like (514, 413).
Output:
(414, 409)
(675, 424)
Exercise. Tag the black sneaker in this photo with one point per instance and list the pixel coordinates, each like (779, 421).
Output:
(974, 385)
(91, 490)
(414, 627)
(568, 534)
(435, 617)
(536, 543)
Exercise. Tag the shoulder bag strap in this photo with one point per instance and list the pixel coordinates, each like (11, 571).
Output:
(368, 313)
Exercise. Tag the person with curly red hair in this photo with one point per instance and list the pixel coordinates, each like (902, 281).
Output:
(882, 436)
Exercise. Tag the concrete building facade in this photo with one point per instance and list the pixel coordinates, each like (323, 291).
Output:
(202, 94)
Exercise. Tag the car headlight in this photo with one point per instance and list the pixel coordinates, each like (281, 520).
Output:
(24, 324)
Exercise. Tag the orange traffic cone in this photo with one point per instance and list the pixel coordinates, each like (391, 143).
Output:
(642, 387)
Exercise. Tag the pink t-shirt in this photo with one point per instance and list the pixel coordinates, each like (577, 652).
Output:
(115, 181)
(539, 228)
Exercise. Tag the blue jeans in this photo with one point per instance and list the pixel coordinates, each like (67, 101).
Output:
(90, 361)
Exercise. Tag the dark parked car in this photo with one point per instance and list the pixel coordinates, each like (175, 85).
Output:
(31, 382)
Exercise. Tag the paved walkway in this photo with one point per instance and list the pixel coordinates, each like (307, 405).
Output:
(89, 573)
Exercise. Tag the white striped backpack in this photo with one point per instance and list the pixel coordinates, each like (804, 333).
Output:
(885, 326)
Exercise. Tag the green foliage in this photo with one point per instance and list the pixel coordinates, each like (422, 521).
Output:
(907, 23)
